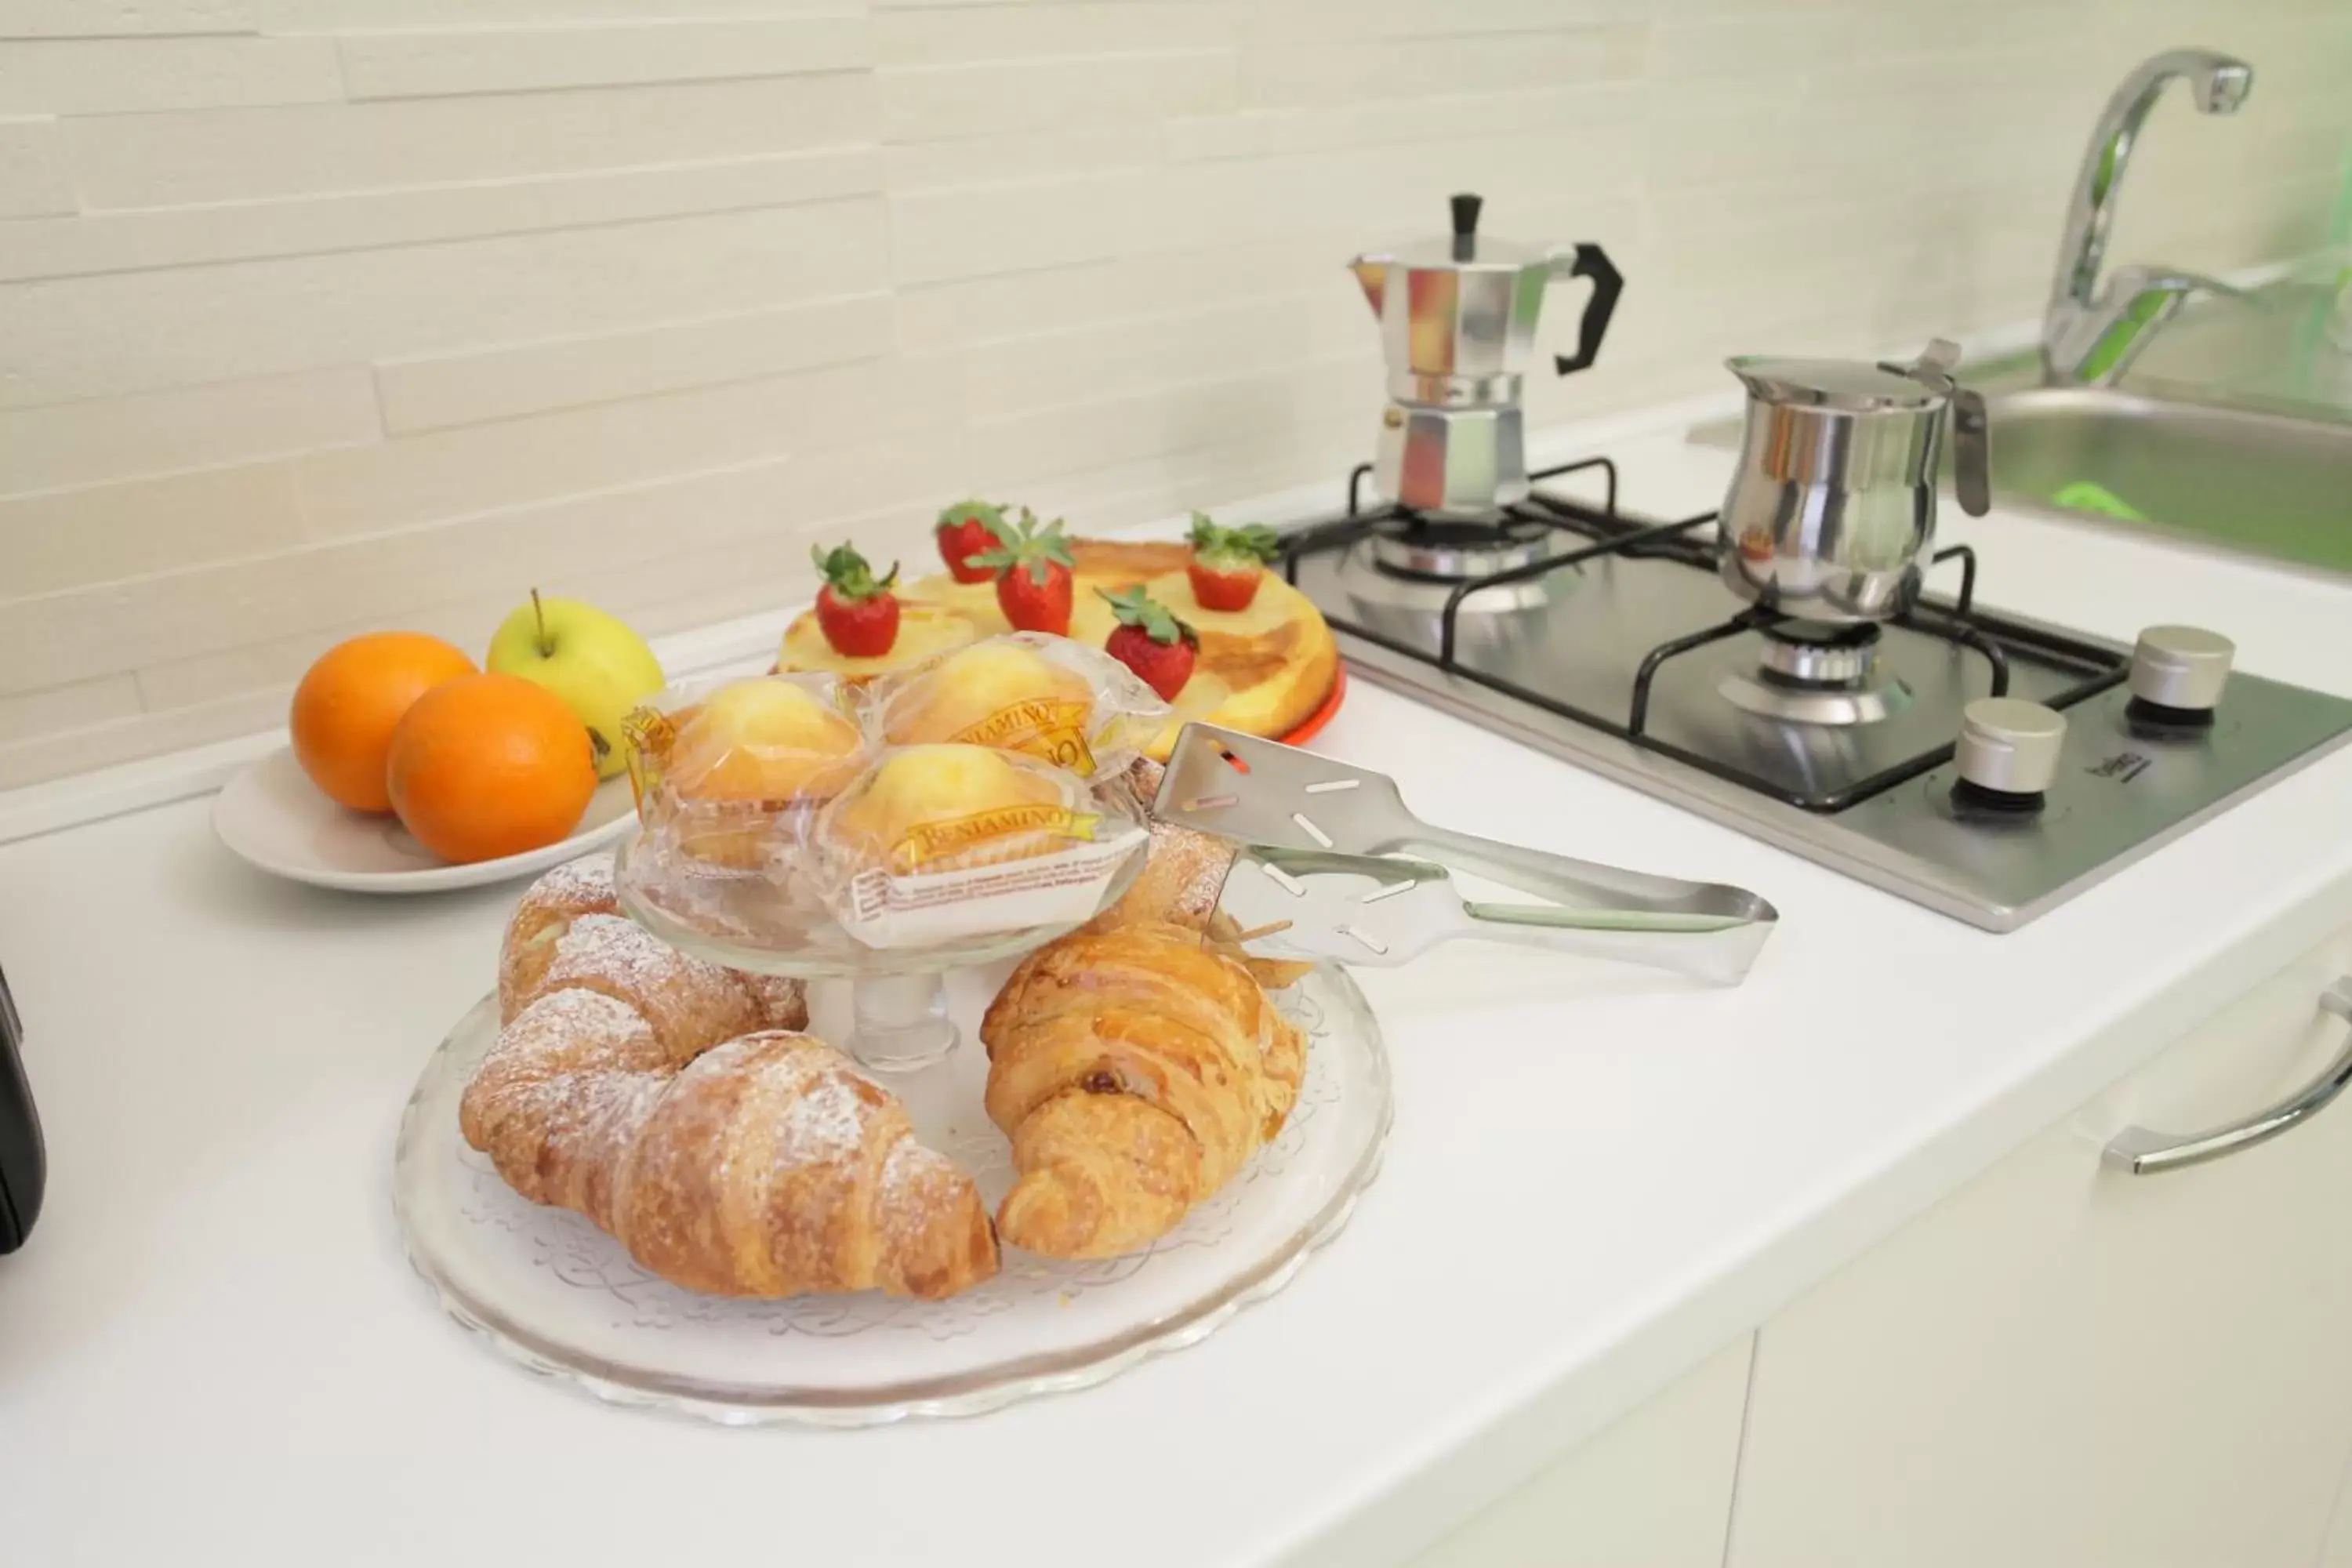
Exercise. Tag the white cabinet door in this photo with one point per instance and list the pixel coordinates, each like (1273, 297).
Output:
(2067, 1364)
(1652, 1491)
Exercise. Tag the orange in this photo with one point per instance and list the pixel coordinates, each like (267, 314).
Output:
(348, 702)
(488, 766)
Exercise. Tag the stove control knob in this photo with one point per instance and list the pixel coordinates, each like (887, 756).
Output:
(2181, 669)
(2007, 749)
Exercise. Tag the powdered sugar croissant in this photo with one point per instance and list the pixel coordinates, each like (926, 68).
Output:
(638, 1087)
(581, 888)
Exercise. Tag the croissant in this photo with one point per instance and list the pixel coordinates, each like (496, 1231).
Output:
(768, 1167)
(576, 888)
(582, 890)
(1135, 1071)
(1183, 875)
(640, 1089)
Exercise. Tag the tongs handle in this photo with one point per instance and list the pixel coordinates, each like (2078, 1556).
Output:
(1585, 884)
(1706, 929)
(1704, 947)
(1553, 916)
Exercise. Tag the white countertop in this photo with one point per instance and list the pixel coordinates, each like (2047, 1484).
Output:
(213, 1349)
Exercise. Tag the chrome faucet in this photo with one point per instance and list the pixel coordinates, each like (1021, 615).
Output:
(2091, 335)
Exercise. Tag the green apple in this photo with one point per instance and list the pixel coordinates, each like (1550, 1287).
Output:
(599, 667)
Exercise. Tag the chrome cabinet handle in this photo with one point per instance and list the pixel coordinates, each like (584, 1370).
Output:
(2144, 1152)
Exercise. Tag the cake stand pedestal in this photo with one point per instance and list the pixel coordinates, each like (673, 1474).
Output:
(899, 1016)
(900, 1023)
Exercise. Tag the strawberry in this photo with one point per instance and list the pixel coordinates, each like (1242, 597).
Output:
(857, 612)
(1227, 562)
(1032, 574)
(1151, 641)
(965, 529)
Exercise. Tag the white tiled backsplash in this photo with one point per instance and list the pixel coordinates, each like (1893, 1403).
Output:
(322, 315)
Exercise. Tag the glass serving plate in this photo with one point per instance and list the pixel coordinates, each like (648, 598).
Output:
(552, 1292)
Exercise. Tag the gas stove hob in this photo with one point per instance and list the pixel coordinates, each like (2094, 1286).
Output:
(1610, 641)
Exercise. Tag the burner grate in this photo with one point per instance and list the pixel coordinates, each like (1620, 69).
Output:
(2093, 668)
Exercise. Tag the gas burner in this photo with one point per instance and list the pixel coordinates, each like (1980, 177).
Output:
(1417, 567)
(1453, 549)
(1772, 696)
(1811, 672)
(1814, 653)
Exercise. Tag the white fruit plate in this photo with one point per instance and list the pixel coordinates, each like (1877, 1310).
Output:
(271, 815)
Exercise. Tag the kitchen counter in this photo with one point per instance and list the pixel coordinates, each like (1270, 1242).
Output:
(213, 1349)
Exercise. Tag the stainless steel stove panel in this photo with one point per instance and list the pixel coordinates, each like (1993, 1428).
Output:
(1584, 649)
(1998, 874)
(2122, 790)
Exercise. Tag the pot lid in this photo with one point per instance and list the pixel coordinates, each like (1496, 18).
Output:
(1854, 386)
(1466, 247)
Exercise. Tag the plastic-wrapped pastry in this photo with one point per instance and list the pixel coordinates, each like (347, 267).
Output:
(730, 778)
(1048, 697)
(945, 842)
(952, 807)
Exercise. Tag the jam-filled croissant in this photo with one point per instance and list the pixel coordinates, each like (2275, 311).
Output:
(1135, 1070)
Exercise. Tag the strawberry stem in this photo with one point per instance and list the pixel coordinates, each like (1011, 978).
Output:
(1137, 608)
(1027, 545)
(845, 572)
(1218, 547)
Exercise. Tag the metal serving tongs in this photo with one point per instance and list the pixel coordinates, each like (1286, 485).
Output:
(1315, 882)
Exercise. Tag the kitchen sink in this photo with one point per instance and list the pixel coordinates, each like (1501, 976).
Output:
(2268, 483)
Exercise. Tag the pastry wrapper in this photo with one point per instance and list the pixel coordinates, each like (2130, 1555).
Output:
(730, 772)
(933, 844)
(765, 827)
(1050, 698)
(727, 809)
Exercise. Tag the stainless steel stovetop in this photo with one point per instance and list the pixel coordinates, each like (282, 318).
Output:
(1608, 640)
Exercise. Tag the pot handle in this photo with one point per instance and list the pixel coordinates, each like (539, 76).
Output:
(1971, 451)
(1971, 426)
(1591, 261)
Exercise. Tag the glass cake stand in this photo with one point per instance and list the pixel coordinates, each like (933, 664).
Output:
(898, 1018)
(554, 1293)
